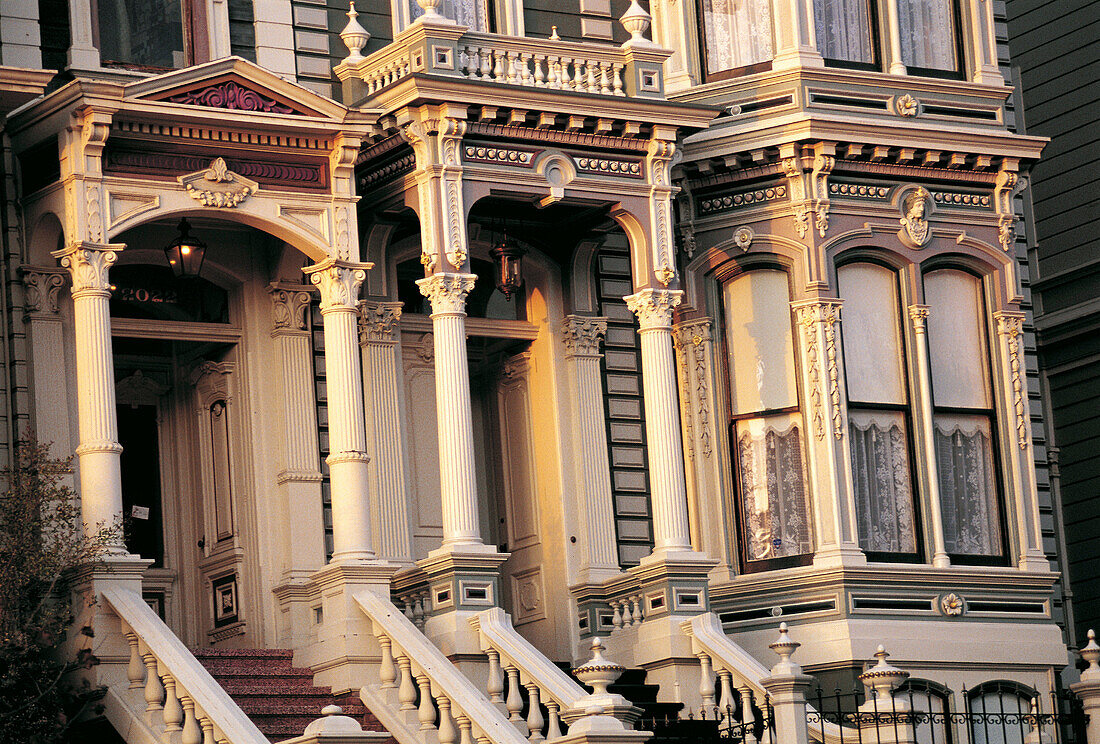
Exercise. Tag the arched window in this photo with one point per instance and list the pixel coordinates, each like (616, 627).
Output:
(964, 433)
(878, 411)
(997, 712)
(736, 34)
(766, 425)
(932, 702)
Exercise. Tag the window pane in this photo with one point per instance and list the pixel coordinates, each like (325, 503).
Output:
(141, 32)
(774, 500)
(927, 34)
(738, 33)
(968, 485)
(843, 30)
(472, 13)
(956, 340)
(761, 351)
(883, 488)
(996, 718)
(874, 358)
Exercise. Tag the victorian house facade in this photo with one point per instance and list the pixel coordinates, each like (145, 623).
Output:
(423, 344)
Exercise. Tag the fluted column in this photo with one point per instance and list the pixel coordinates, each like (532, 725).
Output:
(300, 477)
(99, 451)
(339, 282)
(458, 484)
(830, 462)
(592, 484)
(1021, 463)
(668, 487)
(378, 336)
(918, 314)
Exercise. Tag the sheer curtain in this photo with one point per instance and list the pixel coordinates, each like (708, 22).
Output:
(880, 472)
(844, 30)
(773, 492)
(927, 30)
(968, 486)
(738, 33)
(472, 13)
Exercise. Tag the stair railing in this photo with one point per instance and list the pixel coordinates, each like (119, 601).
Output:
(181, 698)
(419, 681)
(739, 677)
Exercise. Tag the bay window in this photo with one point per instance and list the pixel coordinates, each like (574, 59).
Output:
(845, 32)
(737, 34)
(472, 13)
(878, 411)
(773, 502)
(929, 36)
(964, 434)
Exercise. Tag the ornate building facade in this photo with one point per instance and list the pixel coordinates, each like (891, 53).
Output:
(430, 341)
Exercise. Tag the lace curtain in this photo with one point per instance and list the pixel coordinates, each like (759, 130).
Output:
(968, 485)
(738, 33)
(927, 34)
(844, 30)
(773, 489)
(472, 13)
(883, 491)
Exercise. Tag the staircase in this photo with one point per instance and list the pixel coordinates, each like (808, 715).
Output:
(277, 696)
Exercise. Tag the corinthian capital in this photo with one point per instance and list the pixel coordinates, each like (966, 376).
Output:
(88, 265)
(378, 321)
(582, 335)
(825, 310)
(339, 282)
(447, 292)
(41, 289)
(289, 305)
(654, 307)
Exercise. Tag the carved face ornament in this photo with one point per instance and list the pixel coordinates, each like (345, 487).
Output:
(915, 217)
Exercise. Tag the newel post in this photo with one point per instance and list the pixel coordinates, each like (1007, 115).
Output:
(888, 716)
(787, 687)
(1088, 689)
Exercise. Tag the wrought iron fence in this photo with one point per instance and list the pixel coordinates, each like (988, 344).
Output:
(713, 724)
(995, 713)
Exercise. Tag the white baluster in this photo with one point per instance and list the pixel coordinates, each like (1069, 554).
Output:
(154, 688)
(540, 78)
(553, 73)
(486, 56)
(466, 735)
(173, 711)
(605, 83)
(553, 731)
(524, 71)
(566, 80)
(617, 618)
(192, 733)
(592, 86)
(535, 721)
(638, 610)
(514, 702)
(410, 612)
(387, 672)
(426, 603)
(498, 66)
(725, 697)
(617, 79)
(406, 692)
(207, 731)
(495, 685)
(135, 670)
(448, 734)
(418, 611)
(747, 718)
(426, 712)
(706, 681)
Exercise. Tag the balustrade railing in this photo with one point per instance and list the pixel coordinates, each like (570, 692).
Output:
(182, 702)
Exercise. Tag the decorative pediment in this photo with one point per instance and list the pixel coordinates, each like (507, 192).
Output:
(235, 84)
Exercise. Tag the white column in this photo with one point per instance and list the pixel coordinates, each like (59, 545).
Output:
(1017, 428)
(983, 42)
(300, 478)
(795, 40)
(339, 282)
(378, 336)
(893, 31)
(458, 483)
(582, 336)
(918, 314)
(99, 451)
(668, 488)
(41, 292)
(830, 462)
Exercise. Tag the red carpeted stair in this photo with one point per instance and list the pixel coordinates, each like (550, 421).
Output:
(279, 697)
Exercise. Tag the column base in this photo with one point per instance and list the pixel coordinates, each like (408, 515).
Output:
(674, 583)
(460, 585)
(342, 649)
(834, 556)
(797, 58)
(1034, 561)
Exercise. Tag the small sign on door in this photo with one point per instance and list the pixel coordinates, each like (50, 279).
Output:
(139, 512)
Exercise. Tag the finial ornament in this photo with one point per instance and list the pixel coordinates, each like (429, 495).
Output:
(354, 36)
(599, 671)
(883, 677)
(1090, 653)
(784, 647)
(431, 10)
(333, 722)
(636, 20)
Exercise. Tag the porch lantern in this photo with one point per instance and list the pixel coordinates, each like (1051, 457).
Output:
(186, 252)
(508, 262)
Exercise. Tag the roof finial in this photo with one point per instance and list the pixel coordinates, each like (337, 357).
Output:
(354, 36)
